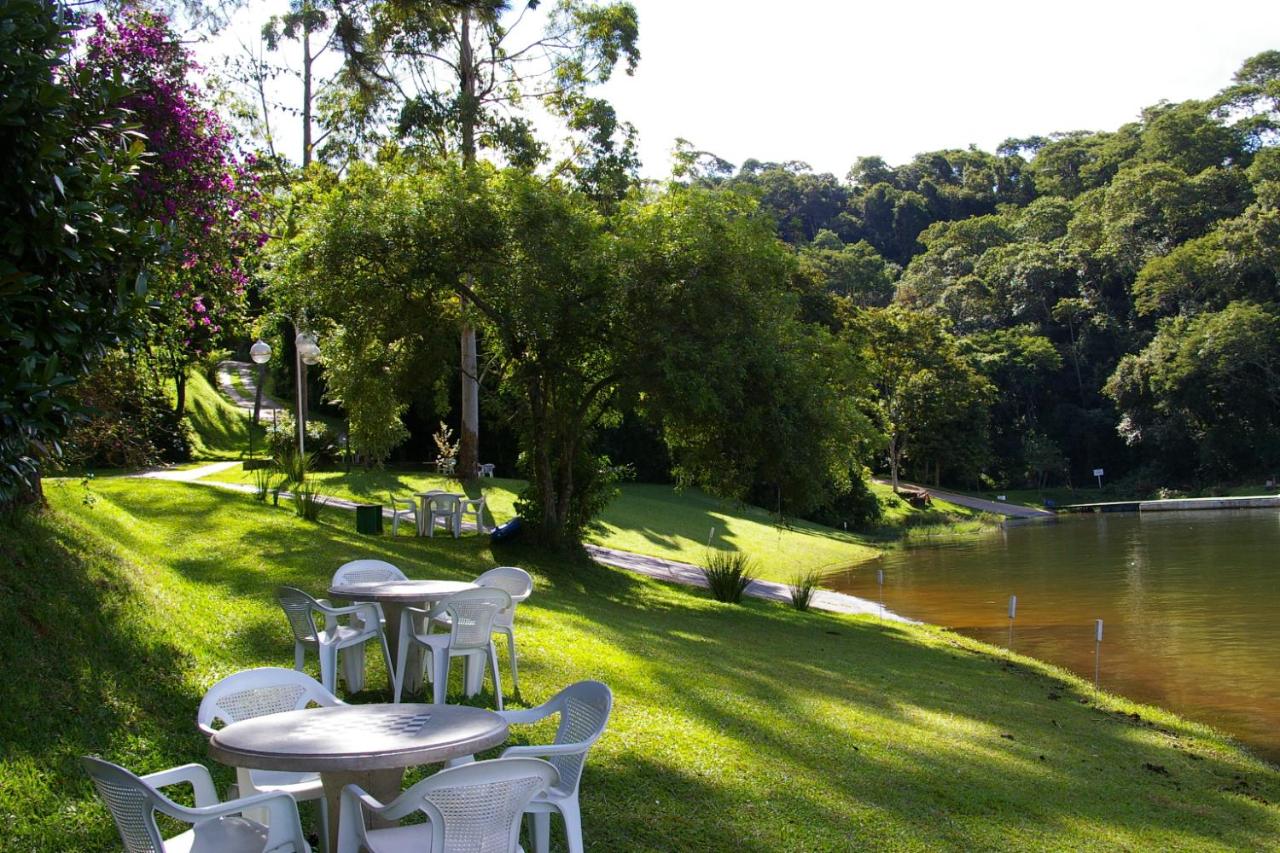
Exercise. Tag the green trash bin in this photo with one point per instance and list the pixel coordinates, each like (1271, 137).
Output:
(369, 519)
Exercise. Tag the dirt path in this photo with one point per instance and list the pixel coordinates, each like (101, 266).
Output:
(248, 378)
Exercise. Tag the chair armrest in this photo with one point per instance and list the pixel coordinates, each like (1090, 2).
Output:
(529, 715)
(195, 775)
(542, 751)
(407, 628)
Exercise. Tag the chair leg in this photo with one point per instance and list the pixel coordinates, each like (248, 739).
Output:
(386, 653)
(541, 831)
(515, 668)
(402, 663)
(323, 831)
(572, 822)
(497, 676)
(440, 674)
(329, 668)
(299, 657)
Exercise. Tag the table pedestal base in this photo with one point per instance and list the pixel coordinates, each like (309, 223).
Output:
(384, 785)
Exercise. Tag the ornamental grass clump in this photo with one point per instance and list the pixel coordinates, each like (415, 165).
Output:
(307, 502)
(728, 575)
(802, 587)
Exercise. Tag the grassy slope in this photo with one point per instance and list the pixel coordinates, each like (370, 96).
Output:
(663, 522)
(219, 430)
(818, 732)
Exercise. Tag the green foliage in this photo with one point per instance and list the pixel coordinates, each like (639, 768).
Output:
(360, 377)
(802, 587)
(70, 264)
(264, 480)
(307, 501)
(129, 422)
(728, 574)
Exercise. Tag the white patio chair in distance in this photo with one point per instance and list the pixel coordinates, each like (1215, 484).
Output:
(471, 614)
(256, 693)
(584, 710)
(402, 508)
(486, 470)
(134, 801)
(475, 808)
(301, 610)
(473, 507)
(443, 506)
(518, 584)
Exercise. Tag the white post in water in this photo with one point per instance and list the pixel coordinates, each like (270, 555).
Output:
(1013, 611)
(1097, 651)
(880, 581)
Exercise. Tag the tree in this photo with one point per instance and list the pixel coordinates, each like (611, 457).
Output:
(461, 84)
(930, 403)
(72, 251)
(585, 313)
(191, 184)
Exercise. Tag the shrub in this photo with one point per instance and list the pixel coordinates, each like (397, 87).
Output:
(307, 502)
(802, 587)
(129, 422)
(728, 575)
(294, 465)
(856, 508)
(322, 442)
(263, 482)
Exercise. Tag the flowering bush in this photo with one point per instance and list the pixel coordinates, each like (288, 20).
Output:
(203, 198)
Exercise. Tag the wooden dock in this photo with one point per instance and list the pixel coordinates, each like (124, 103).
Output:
(1178, 504)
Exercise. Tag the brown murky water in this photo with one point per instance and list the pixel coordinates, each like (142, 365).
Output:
(1190, 603)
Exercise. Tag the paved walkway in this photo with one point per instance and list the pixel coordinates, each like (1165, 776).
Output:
(994, 507)
(185, 475)
(248, 379)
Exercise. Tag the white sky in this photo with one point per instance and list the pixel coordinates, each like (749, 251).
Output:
(826, 82)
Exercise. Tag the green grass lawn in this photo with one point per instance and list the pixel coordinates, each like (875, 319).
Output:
(647, 519)
(737, 728)
(219, 430)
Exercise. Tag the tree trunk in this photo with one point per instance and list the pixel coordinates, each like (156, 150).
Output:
(469, 438)
(180, 386)
(893, 463)
(306, 87)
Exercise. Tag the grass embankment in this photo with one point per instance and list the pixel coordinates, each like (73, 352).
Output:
(735, 728)
(660, 521)
(219, 430)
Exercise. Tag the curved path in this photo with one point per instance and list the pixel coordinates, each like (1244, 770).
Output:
(980, 504)
(245, 372)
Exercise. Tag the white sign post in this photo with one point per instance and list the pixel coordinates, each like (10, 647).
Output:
(1013, 611)
(1097, 651)
(1097, 472)
(880, 581)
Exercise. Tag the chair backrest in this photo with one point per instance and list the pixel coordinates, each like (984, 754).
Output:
(442, 502)
(471, 614)
(367, 571)
(131, 802)
(515, 581)
(476, 808)
(258, 692)
(584, 712)
(300, 608)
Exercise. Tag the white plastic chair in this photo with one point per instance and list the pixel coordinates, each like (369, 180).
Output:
(409, 510)
(486, 470)
(256, 693)
(473, 507)
(134, 800)
(470, 620)
(366, 571)
(517, 583)
(443, 506)
(475, 808)
(584, 710)
(301, 608)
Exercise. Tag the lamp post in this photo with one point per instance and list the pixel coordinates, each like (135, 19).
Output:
(261, 354)
(308, 352)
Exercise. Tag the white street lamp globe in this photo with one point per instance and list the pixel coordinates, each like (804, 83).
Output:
(260, 352)
(308, 349)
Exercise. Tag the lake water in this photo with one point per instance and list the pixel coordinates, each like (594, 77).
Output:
(1190, 603)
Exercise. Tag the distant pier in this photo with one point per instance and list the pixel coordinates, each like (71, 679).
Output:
(1177, 504)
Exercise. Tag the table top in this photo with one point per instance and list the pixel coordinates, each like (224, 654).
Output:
(399, 591)
(438, 493)
(357, 737)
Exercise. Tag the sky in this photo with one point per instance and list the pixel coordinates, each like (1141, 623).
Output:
(827, 82)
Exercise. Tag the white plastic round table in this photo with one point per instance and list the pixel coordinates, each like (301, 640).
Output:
(394, 596)
(369, 745)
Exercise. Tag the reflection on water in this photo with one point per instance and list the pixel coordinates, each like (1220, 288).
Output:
(1191, 603)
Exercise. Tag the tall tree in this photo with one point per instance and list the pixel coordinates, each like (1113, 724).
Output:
(463, 77)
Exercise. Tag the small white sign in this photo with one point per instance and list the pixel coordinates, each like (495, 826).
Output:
(1097, 472)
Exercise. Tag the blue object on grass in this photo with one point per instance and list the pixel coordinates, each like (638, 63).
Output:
(505, 532)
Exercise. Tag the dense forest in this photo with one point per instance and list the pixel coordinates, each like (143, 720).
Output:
(1116, 289)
